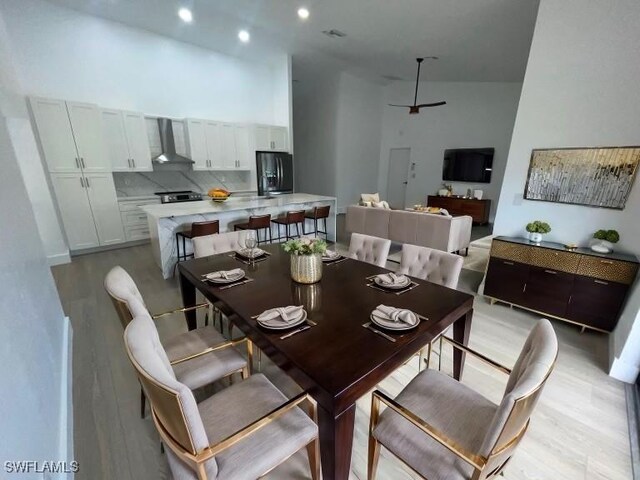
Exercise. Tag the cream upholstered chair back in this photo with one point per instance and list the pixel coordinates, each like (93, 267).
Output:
(433, 265)
(218, 243)
(369, 249)
(173, 405)
(528, 377)
(124, 294)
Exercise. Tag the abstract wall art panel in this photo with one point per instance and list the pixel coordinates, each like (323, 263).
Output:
(599, 177)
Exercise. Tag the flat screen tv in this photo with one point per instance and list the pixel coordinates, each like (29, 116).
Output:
(468, 165)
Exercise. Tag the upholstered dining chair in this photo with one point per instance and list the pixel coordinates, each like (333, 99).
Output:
(369, 249)
(242, 432)
(198, 357)
(435, 266)
(219, 243)
(444, 430)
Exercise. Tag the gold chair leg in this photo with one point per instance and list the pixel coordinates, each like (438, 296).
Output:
(313, 452)
(421, 356)
(250, 355)
(374, 445)
(245, 372)
(440, 356)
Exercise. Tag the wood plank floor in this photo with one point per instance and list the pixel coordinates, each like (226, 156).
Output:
(579, 430)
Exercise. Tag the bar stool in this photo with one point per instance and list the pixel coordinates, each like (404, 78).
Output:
(198, 229)
(294, 217)
(257, 223)
(318, 213)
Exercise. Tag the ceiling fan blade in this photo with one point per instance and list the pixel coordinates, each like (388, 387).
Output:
(393, 105)
(436, 104)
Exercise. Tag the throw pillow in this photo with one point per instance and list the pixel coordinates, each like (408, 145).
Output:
(370, 197)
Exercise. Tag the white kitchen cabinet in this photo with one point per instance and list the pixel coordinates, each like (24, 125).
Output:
(135, 128)
(75, 210)
(213, 136)
(262, 137)
(56, 137)
(86, 125)
(270, 138)
(245, 156)
(279, 140)
(126, 141)
(197, 144)
(227, 146)
(104, 206)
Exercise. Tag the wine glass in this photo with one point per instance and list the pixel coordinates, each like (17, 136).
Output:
(251, 242)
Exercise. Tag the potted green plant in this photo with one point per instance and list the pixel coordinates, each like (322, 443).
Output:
(306, 258)
(536, 229)
(603, 240)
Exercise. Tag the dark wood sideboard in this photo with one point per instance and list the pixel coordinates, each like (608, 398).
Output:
(579, 286)
(476, 209)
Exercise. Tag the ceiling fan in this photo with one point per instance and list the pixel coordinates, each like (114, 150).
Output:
(413, 109)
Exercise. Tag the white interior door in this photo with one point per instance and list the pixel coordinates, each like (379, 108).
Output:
(87, 132)
(398, 177)
(104, 205)
(135, 127)
(75, 210)
(115, 141)
(55, 134)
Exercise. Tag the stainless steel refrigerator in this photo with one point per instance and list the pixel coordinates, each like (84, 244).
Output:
(275, 173)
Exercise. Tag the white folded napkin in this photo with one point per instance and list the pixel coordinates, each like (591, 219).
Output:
(226, 274)
(396, 314)
(330, 254)
(392, 278)
(287, 314)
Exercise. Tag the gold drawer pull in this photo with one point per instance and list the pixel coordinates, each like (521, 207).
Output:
(507, 263)
(606, 262)
(551, 272)
(601, 282)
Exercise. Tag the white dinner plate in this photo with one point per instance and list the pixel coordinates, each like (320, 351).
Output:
(399, 286)
(391, 325)
(231, 279)
(295, 323)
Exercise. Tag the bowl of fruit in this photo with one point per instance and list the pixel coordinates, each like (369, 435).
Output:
(219, 194)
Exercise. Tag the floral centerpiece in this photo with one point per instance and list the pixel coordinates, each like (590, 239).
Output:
(536, 229)
(306, 258)
(604, 240)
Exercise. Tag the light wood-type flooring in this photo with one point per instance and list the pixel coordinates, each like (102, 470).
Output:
(579, 430)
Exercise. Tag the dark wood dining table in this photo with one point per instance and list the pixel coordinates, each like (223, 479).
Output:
(337, 361)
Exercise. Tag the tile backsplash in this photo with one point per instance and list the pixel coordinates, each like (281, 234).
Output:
(146, 183)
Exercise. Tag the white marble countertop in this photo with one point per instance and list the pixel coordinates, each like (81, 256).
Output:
(166, 210)
(139, 197)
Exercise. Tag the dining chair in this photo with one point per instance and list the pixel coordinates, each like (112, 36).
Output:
(317, 214)
(242, 432)
(444, 430)
(198, 229)
(198, 357)
(435, 266)
(369, 249)
(292, 217)
(257, 223)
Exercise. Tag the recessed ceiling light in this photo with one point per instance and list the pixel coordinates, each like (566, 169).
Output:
(185, 14)
(303, 13)
(244, 36)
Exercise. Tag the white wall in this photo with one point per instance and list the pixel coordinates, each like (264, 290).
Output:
(359, 123)
(61, 53)
(476, 115)
(34, 332)
(580, 90)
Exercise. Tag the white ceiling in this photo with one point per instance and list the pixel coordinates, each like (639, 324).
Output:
(476, 40)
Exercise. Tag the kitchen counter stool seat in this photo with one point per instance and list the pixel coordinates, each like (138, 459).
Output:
(198, 229)
(317, 214)
(257, 223)
(293, 217)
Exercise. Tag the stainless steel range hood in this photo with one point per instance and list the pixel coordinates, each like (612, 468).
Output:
(168, 144)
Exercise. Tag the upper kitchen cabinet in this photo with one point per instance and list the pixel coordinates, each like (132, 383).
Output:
(87, 133)
(245, 155)
(228, 158)
(197, 144)
(56, 136)
(126, 141)
(213, 136)
(271, 137)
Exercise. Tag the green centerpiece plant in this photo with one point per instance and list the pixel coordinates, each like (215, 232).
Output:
(536, 229)
(306, 258)
(603, 240)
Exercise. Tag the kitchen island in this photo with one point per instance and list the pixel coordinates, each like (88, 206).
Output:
(168, 218)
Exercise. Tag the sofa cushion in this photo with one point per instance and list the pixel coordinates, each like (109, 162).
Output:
(403, 227)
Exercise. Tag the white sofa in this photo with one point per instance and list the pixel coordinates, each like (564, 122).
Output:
(450, 234)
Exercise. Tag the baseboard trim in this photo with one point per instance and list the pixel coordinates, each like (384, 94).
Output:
(633, 417)
(59, 259)
(106, 248)
(66, 447)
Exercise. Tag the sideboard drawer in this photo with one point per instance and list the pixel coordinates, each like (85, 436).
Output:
(562, 261)
(605, 269)
(511, 251)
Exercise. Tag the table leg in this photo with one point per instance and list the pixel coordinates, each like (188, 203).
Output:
(188, 291)
(461, 330)
(336, 440)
